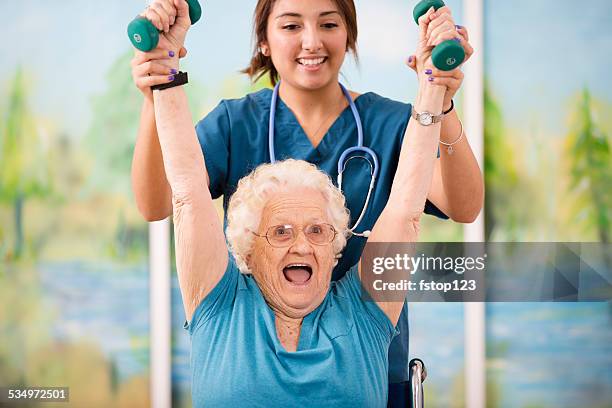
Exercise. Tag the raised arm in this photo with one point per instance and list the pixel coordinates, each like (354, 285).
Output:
(399, 220)
(151, 189)
(201, 251)
(457, 188)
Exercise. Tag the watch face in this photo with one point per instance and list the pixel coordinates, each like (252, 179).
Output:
(425, 119)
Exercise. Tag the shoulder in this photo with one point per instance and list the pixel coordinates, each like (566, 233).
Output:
(376, 101)
(367, 311)
(383, 114)
(253, 102)
(371, 104)
(230, 112)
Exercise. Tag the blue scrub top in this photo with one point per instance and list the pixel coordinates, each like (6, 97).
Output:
(234, 140)
(238, 361)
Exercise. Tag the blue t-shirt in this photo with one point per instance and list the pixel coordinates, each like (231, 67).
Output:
(238, 361)
(234, 140)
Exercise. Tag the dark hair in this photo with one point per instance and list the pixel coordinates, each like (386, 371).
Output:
(261, 65)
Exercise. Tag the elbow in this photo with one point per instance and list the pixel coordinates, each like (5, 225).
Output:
(153, 213)
(181, 199)
(468, 211)
(153, 216)
(414, 227)
(409, 223)
(466, 218)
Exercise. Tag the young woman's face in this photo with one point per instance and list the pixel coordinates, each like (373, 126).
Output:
(307, 41)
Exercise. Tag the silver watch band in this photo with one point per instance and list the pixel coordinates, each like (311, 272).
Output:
(426, 118)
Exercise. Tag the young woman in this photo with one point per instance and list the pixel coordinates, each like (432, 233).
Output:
(301, 46)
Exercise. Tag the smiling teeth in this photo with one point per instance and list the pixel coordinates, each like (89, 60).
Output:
(316, 61)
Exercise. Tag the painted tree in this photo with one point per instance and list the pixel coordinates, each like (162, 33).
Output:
(110, 141)
(501, 178)
(112, 133)
(588, 151)
(23, 167)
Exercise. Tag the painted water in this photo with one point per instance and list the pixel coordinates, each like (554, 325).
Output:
(539, 355)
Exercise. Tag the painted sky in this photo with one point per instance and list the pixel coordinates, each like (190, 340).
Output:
(537, 53)
(67, 47)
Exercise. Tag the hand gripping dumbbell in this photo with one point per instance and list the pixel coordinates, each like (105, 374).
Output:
(447, 55)
(145, 36)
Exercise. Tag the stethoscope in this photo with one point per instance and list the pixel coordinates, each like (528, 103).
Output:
(342, 161)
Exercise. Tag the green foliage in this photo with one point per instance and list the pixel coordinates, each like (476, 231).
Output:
(588, 150)
(501, 177)
(24, 171)
(22, 165)
(112, 132)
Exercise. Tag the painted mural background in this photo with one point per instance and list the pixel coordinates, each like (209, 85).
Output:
(73, 248)
(548, 172)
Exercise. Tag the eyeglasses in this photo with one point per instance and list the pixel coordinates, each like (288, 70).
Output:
(280, 236)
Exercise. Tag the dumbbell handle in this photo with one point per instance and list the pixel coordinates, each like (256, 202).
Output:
(145, 36)
(447, 55)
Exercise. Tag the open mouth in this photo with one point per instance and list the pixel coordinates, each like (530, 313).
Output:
(311, 62)
(298, 274)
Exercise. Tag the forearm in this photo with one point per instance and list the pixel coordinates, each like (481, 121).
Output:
(461, 175)
(182, 157)
(399, 221)
(151, 189)
(414, 172)
(411, 183)
(200, 242)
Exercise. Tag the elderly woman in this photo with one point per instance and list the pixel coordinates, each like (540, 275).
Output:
(268, 328)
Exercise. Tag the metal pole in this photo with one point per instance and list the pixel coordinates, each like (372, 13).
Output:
(474, 322)
(160, 320)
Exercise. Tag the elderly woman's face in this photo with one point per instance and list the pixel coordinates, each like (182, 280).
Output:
(294, 278)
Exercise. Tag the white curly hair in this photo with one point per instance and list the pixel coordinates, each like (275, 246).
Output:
(254, 190)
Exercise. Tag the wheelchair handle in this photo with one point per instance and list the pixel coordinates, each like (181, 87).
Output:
(418, 374)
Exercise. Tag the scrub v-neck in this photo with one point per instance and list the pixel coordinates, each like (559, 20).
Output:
(301, 146)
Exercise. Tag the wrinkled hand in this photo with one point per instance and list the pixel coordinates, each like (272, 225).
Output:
(171, 17)
(421, 61)
(159, 65)
(435, 28)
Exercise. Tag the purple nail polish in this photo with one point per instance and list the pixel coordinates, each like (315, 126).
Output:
(410, 59)
(171, 78)
(171, 54)
(430, 79)
(173, 71)
(457, 39)
(458, 27)
(428, 72)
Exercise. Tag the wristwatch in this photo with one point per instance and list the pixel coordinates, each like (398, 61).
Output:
(426, 118)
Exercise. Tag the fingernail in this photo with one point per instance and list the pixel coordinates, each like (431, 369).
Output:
(428, 72)
(173, 71)
(430, 79)
(410, 59)
(457, 39)
(458, 27)
(171, 78)
(171, 54)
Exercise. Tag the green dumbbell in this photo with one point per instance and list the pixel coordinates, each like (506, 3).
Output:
(447, 55)
(145, 36)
